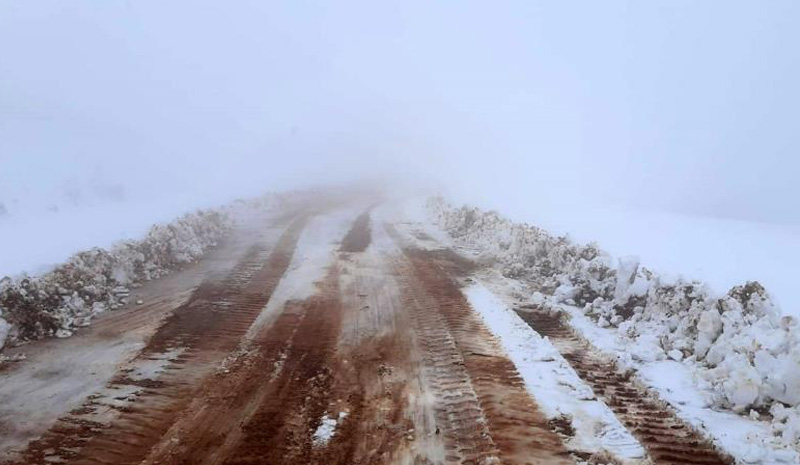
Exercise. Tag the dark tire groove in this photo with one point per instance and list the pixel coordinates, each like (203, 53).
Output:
(667, 438)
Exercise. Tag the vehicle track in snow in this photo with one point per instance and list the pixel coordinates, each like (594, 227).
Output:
(484, 410)
(277, 397)
(667, 438)
(459, 416)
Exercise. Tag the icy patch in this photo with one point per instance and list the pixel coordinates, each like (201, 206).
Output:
(56, 383)
(327, 429)
(552, 382)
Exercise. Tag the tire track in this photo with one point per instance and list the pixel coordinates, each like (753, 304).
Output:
(667, 438)
(210, 425)
(483, 408)
(122, 427)
(459, 415)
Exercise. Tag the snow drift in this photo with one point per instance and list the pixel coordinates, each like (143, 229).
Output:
(738, 343)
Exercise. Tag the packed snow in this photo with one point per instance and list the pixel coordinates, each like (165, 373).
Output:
(737, 346)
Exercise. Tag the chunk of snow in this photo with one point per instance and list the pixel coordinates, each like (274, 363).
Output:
(647, 349)
(709, 328)
(565, 292)
(327, 429)
(675, 354)
(626, 275)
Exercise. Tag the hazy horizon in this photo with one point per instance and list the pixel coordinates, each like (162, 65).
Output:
(667, 106)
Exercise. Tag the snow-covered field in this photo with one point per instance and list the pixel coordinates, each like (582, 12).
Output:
(734, 358)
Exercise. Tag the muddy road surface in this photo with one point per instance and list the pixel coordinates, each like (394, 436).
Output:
(330, 336)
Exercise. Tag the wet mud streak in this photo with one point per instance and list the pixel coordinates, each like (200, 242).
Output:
(204, 329)
(279, 431)
(360, 235)
(667, 438)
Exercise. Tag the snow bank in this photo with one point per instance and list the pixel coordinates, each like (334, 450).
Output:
(92, 281)
(58, 302)
(739, 343)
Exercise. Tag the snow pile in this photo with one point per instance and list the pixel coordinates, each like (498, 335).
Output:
(737, 343)
(92, 281)
(579, 274)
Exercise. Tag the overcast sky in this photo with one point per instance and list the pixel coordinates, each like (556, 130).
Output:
(676, 105)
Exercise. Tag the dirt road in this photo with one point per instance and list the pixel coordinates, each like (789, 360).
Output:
(328, 338)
